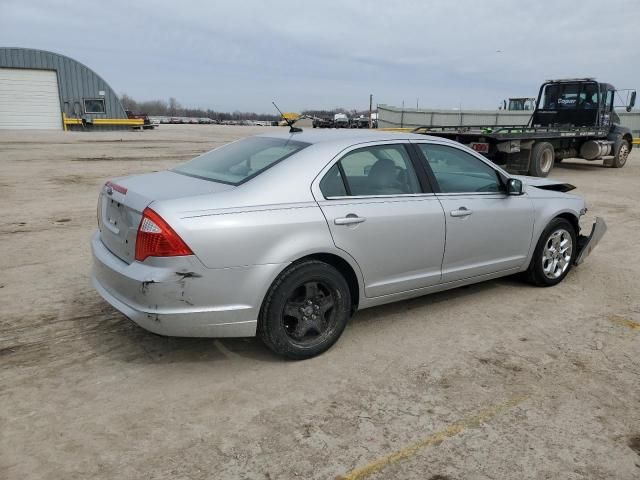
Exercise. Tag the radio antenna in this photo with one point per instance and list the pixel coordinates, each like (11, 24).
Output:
(292, 129)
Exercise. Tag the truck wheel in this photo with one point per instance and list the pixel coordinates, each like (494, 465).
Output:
(542, 158)
(621, 155)
(305, 310)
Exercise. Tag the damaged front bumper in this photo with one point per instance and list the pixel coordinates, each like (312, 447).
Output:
(586, 244)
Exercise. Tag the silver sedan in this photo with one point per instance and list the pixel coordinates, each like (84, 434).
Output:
(286, 235)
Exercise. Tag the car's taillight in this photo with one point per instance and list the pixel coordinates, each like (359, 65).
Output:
(157, 239)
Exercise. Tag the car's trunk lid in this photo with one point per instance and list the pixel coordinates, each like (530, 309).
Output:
(123, 200)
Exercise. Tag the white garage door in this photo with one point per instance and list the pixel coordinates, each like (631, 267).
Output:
(29, 99)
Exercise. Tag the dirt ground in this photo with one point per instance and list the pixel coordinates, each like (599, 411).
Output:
(495, 381)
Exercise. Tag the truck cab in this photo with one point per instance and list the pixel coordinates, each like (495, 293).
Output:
(575, 103)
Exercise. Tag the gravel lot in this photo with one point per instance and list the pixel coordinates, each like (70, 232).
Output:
(495, 381)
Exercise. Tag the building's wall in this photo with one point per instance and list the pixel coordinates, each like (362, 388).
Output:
(75, 81)
(395, 117)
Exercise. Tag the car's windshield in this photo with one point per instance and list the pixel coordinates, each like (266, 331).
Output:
(239, 161)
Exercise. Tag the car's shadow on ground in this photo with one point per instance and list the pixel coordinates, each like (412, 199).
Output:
(577, 166)
(383, 312)
(119, 338)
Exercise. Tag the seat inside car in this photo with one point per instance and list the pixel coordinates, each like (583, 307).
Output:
(383, 178)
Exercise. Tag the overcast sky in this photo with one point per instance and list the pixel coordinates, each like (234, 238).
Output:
(240, 55)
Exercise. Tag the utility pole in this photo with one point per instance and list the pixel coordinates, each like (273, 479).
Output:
(370, 110)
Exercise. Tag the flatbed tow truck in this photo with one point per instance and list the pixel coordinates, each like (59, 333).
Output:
(573, 118)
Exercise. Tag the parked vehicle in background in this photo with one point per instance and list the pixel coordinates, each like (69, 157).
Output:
(519, 104)
(340, 120)
(147, 123)
(572, 118)
(316, 225)
(360, 122)
(323, 122)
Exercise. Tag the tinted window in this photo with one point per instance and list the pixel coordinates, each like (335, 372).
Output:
(588, 98)
(380, 170)
(332, 185)
(239, 161)
(94, 105)
(459, 172)
(567, 96)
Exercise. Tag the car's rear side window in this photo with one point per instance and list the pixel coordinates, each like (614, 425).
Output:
(332, 184)
(370, 171)
(240, 161)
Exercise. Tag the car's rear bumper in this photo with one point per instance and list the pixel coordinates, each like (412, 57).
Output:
(179, 296)
(586, 244)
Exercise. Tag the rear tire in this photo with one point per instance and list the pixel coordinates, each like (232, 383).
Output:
(622, 155)
(542, 158)
(551, 261)
(305, 311)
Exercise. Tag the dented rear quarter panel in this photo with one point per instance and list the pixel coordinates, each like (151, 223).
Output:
(258, 236)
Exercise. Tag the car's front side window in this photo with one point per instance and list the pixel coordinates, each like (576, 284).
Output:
(457, 171)
(375, 170)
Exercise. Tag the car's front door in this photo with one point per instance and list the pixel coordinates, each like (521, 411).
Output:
(488, 231)
(385, 218)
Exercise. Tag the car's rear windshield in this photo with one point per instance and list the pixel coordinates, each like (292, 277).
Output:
(240, 161)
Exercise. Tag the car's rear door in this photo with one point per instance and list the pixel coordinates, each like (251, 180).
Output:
(488, 231)
(381, 213)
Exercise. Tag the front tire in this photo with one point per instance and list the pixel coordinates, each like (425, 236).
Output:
(622, 155)
(554, 254)
(305, 311)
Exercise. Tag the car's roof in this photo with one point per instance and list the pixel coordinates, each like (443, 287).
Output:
(343, 136)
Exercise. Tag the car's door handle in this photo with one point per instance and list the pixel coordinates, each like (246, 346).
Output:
(461, 212)
(350, 219)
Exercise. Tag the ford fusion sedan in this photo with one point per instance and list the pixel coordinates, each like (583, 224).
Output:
(286, 235)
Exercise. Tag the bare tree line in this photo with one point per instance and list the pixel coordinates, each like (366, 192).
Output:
(172, 108)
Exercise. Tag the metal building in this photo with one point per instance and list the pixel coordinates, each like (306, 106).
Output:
(46, 90)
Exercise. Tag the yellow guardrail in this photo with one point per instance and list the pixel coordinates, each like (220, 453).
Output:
(636, 141)
(72, 121)
(396, 129)
(118, 121)
(132, 122)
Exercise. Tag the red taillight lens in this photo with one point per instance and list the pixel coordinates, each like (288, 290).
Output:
(157, 239)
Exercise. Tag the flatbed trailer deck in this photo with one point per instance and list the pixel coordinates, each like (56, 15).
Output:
(515, 132)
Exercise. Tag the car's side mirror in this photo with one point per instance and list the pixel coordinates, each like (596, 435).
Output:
(514, 187)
